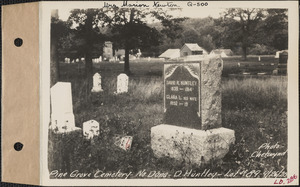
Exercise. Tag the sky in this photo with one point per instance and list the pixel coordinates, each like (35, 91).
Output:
(185, 12)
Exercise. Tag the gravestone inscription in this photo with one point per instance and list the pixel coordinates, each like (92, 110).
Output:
(182, 95)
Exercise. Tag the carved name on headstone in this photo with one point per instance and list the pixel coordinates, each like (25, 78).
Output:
(182, 95)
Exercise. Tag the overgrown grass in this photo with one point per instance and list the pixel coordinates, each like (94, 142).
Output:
(255, 108)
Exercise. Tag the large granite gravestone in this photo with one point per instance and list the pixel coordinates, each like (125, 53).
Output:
(192, 129)
(62, 117)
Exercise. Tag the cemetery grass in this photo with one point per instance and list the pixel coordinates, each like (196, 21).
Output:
(255, 108)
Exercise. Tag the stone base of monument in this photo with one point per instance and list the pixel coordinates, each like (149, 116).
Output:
(192, 145)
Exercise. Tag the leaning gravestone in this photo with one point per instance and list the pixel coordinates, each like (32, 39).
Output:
(192, 128)
(62, 117)
(97, 83)
(122, 83)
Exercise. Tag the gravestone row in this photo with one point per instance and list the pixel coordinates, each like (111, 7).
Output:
(192, 112)
(62, 117)
(122, 83)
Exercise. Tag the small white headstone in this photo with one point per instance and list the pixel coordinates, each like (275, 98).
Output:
(122, 83)
(97, 83)
(100, 58)
(77, 59)
(259, 58)
(62, 117)
(91, 128)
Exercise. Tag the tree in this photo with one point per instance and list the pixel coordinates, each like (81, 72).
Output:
(130, 31)
(243, 25)
(275, 29)
(59, 29)
(87, 32)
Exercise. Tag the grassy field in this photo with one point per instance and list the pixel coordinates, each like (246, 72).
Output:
(255, 108)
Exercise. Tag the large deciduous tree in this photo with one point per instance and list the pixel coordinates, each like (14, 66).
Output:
(243, 26)
(275, 29)
(59, 29)
(86, 23)
(130, 31)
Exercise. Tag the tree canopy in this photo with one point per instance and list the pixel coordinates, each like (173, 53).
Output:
(250, 30)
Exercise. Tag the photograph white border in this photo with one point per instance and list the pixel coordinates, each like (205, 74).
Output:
(293, 102)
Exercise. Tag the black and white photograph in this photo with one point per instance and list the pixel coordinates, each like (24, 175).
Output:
(183, 90)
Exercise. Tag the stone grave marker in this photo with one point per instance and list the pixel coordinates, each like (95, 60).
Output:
(122, 83)
(182, 95)
(90, 129)
(62, 117)
(192, 128)
(97, 83)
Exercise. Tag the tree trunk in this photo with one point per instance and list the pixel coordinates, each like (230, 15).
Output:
(244, 48)
(54, 62)
(89, 70)
(88, 50)
(127, 48)
(126, 63)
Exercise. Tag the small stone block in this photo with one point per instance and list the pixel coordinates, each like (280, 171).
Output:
(91, 128)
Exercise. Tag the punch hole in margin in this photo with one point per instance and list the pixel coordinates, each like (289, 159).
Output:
(18, 146)
(18, 42)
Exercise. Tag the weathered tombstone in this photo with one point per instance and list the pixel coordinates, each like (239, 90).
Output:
(62, 117)
(259, 58)
(275, 72)
(100, 58)
(122, 83)
(192, 128)
(90, 129)
(97, 83)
